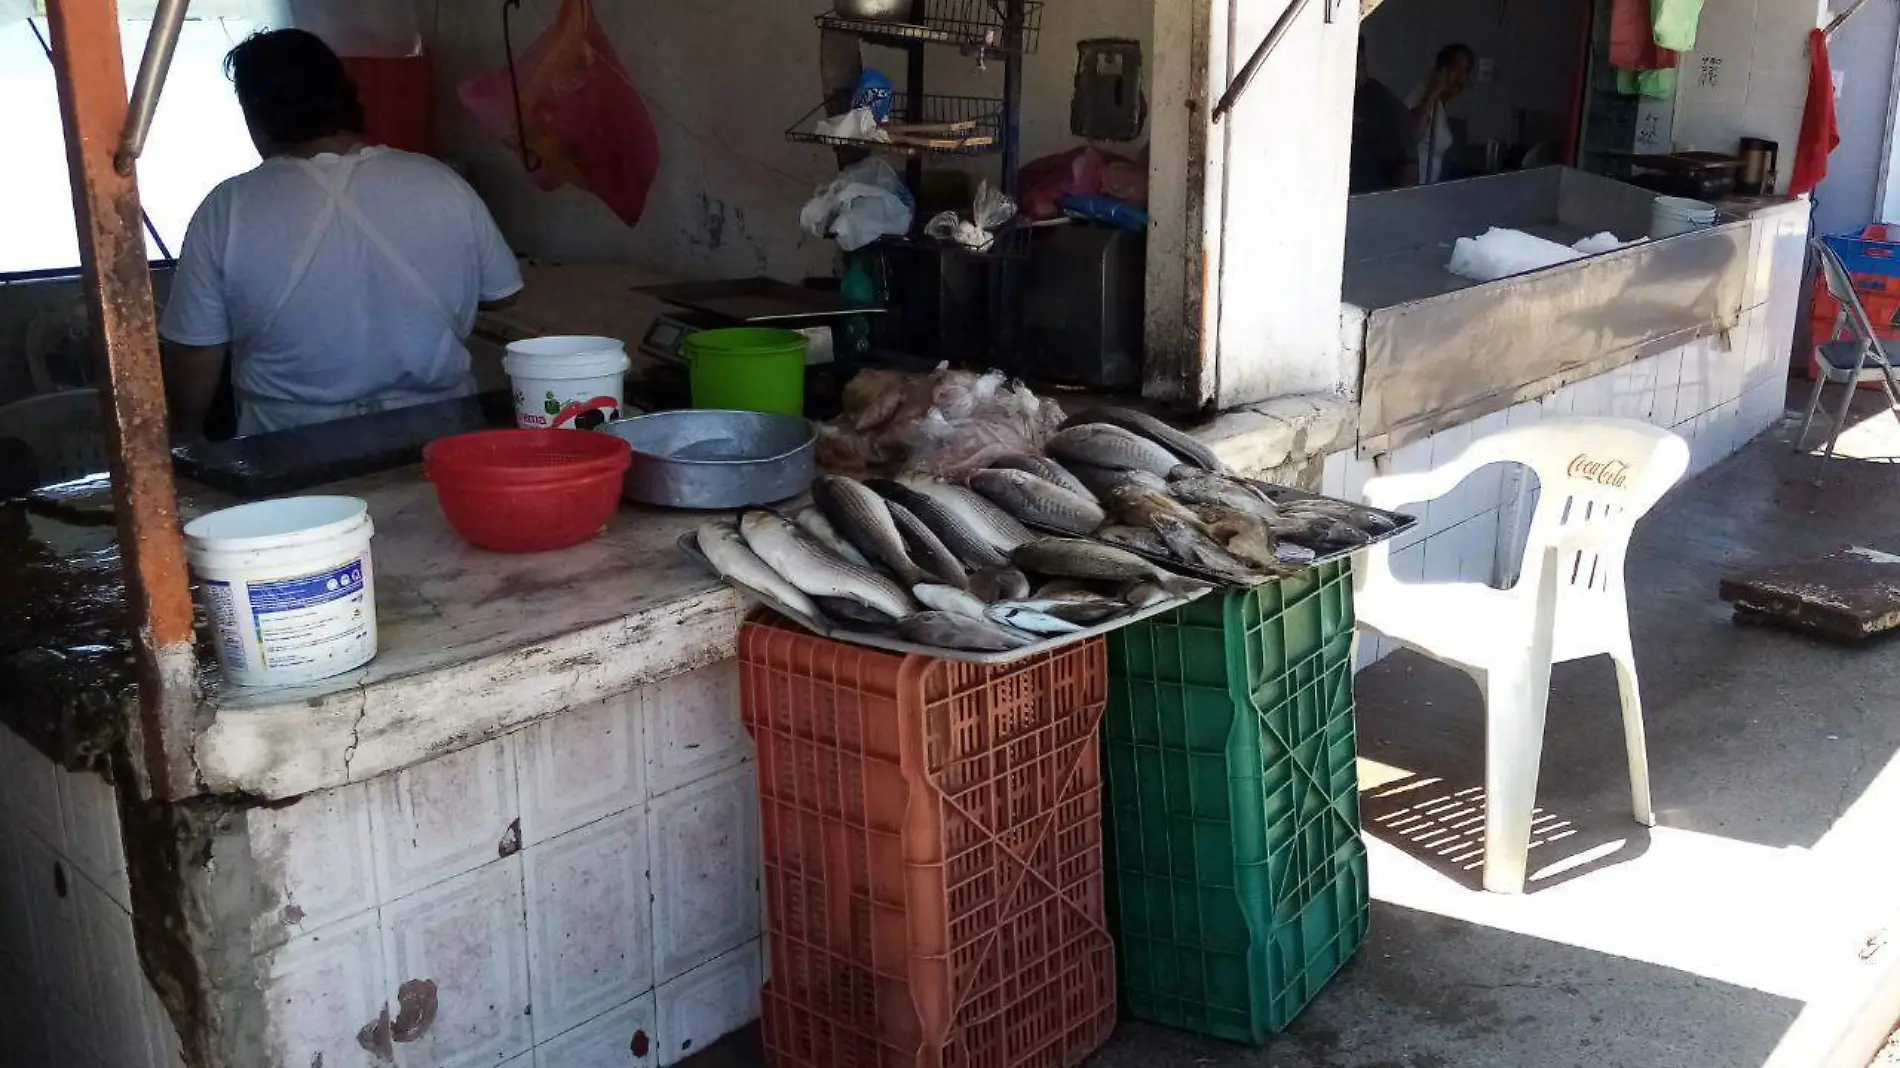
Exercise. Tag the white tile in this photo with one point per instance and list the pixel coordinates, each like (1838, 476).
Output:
(23, 1032)
(16, 929)
(323, 990)
(693, 727)
(1524, 414)
(1371, 649)
(442, 818)
(161, 1036)
(91, 811)
(29, 790)
(1561, 403)
(1668, 385)
(590, 922)
(117, 984)
(1332, 475)
(624, 1037)
(316, 859)
(1442, 552)
(59, 946)
(1408, 564)
(468, 936)
(702, 1006)
(581, 766)
(705, 847)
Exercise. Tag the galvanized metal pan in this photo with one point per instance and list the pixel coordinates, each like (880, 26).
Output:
(689, 544)
(716, 460)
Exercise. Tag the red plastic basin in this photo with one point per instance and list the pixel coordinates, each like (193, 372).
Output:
(527, 491)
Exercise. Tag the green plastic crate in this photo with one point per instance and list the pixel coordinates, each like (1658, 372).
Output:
(1236, 874)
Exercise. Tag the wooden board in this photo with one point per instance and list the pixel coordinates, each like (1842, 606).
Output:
(1849, 595)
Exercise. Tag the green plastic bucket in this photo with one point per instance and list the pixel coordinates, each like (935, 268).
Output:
(748, 369)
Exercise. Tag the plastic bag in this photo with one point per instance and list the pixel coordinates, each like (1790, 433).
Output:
(945, 423)
(991, 211)
(1079, 172)
(583, 118)
(865, 202)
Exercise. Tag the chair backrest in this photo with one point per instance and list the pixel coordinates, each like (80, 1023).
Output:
(1598, 473)
(65, 432)
(1840, 286)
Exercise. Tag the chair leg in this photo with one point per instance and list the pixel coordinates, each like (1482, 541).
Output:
(1840, 421)
(1514, 747)
(1814, 402)
(1634, 739)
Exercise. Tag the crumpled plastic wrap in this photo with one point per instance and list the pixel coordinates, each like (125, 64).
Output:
(945, 423)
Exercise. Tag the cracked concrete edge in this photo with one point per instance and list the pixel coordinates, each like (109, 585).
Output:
(1283, 434)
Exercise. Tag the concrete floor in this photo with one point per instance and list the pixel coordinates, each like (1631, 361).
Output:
(1738, 932)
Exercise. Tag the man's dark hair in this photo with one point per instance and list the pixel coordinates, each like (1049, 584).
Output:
(292, 87)
(1453, 51)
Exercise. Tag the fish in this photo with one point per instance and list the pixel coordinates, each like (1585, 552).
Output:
(813, 522)
(1317, 531)
(1112, 447)
(1191, 546)
(1085, 559)
(1136, 505)
(999, 584)
(1201, 488)
(995, 527)
(865, 521)
(1244, 534)
(1086, 611)
(853, 614)
(1097, 480)
(729, 555)
(1044, 467)
(957, 535)
(1297, 555)
(1140, 595)
(1181, 444)
(927, 548)
(949, 599)
(950, 631)
(1022, 617)
(816, 570)
(1365, 519)
(1138, 539)
(1039, 501)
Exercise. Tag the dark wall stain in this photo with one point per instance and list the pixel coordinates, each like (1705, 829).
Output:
(640, 1044)
(510, 840)
(415, 1010)
(374, 1038)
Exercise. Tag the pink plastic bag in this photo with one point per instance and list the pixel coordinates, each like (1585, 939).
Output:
(585, 121)
(1079, 172)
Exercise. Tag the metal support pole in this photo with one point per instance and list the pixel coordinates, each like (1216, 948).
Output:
(93, 108)
(153, 66)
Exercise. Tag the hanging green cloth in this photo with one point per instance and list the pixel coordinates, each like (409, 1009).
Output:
(1655, 84)
(1676, 22)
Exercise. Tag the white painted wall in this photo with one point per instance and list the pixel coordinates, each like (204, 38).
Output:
(1863, 57)
(724, 79)
(1747, 77)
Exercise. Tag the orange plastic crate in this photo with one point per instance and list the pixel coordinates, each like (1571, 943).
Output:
(932, 855)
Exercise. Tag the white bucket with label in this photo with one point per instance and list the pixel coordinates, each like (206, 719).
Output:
(287, 587)
(1669, 216)
(567, 383)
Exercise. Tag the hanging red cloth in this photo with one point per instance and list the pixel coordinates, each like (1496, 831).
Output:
(1820, 133)
(1633, 38)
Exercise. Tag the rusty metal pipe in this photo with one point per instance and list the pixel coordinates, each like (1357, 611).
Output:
(167, 21)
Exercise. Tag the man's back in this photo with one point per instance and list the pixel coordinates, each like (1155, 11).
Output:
(334, 301)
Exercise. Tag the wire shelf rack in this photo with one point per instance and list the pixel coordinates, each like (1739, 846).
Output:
(942, 126)
(968, 24)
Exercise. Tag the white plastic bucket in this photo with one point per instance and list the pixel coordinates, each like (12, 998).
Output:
(288, 588)
(1669, 216)
(559, 381)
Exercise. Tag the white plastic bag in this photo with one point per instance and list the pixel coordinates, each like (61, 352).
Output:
(865, 202)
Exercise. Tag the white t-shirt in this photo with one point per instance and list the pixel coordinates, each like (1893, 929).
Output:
(355, 333)
(1436, 142)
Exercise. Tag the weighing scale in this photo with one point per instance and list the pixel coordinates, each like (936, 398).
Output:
(747, 302)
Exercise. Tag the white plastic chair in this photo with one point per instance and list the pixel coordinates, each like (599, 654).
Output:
(1596, 478)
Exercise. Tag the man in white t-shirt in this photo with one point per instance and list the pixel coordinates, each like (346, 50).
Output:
(343, 278)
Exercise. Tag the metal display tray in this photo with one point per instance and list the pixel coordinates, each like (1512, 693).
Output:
(689, 544)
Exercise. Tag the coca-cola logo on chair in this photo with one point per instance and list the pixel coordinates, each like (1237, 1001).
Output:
(1612, 473)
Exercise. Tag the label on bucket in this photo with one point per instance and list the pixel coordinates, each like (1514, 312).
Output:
(311, 618)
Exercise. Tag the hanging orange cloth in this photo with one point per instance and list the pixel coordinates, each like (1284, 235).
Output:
(1820, 133)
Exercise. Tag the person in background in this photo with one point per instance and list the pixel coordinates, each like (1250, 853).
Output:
(1432, 128)
(1384, 152)
(342, 278)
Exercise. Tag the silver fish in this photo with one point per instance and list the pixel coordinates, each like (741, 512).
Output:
(928, 549)
(1085, 559)
(1201, 488)
(1244, 534)
(949, 599)
(996, 527)
(1039, 501)
(1134, 504)
(1023, 618)
(948, 631)
(1098, 480)
(730, 556)
(1317, 531)
(1140, 595)
(1139, 539)
(999, 584)
(1085, 610)
(854, 615)
(1191, 546)
(1365, 519)
(1297, 555)
(813, 522)
(1183, 445)
(816, 570)
(865, 521)
(1044, 467)
(957, 535)
(1111, 447)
